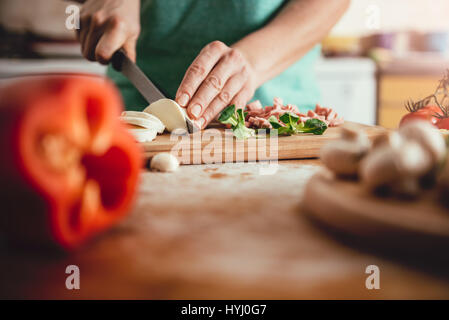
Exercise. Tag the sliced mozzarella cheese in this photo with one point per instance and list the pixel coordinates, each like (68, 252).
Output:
(141, 114)
(144, 123)
(148, 120)
(170, 113)
(143, 135)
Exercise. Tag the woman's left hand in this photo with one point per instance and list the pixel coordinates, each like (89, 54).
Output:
(219, 76)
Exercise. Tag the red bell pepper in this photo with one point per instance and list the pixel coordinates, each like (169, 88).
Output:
(68, 168)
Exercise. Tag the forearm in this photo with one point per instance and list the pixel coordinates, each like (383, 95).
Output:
(293, 32)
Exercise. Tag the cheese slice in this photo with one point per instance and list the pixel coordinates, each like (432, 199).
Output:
(142, 119)
(170, 113)
(144, 123)
(143, 135)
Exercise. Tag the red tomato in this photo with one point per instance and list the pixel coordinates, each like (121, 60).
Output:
(426, 113)
(443, 123)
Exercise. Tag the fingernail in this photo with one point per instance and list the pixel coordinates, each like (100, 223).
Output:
(201, 123)
(196, 110)
(183, 99)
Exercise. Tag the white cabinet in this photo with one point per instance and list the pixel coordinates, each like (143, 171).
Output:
(348, 85)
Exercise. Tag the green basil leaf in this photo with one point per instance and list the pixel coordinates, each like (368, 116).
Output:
(314, 126)
(285, 118)
(242, 132)
(227, 116)
(240, 116)
(274, 122)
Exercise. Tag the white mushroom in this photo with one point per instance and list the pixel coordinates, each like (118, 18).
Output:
(393, 139)
(397, 167)
(164, 162)
(407, 186)
(426, 135)
(343, 156)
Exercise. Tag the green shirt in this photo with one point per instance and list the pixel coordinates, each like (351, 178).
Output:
(174, 32)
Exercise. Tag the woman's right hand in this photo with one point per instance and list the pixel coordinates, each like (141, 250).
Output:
(108, 25)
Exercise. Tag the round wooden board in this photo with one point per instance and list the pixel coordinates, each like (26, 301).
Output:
(420, 225)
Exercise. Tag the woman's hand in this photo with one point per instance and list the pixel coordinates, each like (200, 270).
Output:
(218, 77)
(108, 25)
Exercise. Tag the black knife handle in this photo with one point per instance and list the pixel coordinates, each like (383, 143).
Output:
(117, 59)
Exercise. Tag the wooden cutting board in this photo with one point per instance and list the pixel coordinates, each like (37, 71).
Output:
(414, 226)
(217, 145)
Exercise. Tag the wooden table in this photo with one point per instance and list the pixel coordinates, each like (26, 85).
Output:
(219, 231)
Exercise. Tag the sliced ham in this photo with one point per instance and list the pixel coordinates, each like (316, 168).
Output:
(254, 106)
(257, 116)
(331, 117)
(259, 122)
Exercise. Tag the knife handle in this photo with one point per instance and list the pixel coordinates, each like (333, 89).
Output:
(117, 59)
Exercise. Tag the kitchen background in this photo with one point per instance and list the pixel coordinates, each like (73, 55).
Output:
(382, 53)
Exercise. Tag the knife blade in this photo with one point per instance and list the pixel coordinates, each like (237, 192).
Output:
(122, 63)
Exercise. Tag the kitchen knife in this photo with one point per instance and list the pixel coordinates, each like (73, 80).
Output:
(122, 63)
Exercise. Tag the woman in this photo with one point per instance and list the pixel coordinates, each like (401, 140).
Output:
(208, 54)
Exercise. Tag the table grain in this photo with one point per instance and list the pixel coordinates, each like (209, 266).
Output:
(218, 232)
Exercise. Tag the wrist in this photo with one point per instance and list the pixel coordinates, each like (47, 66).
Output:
(254, 48)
